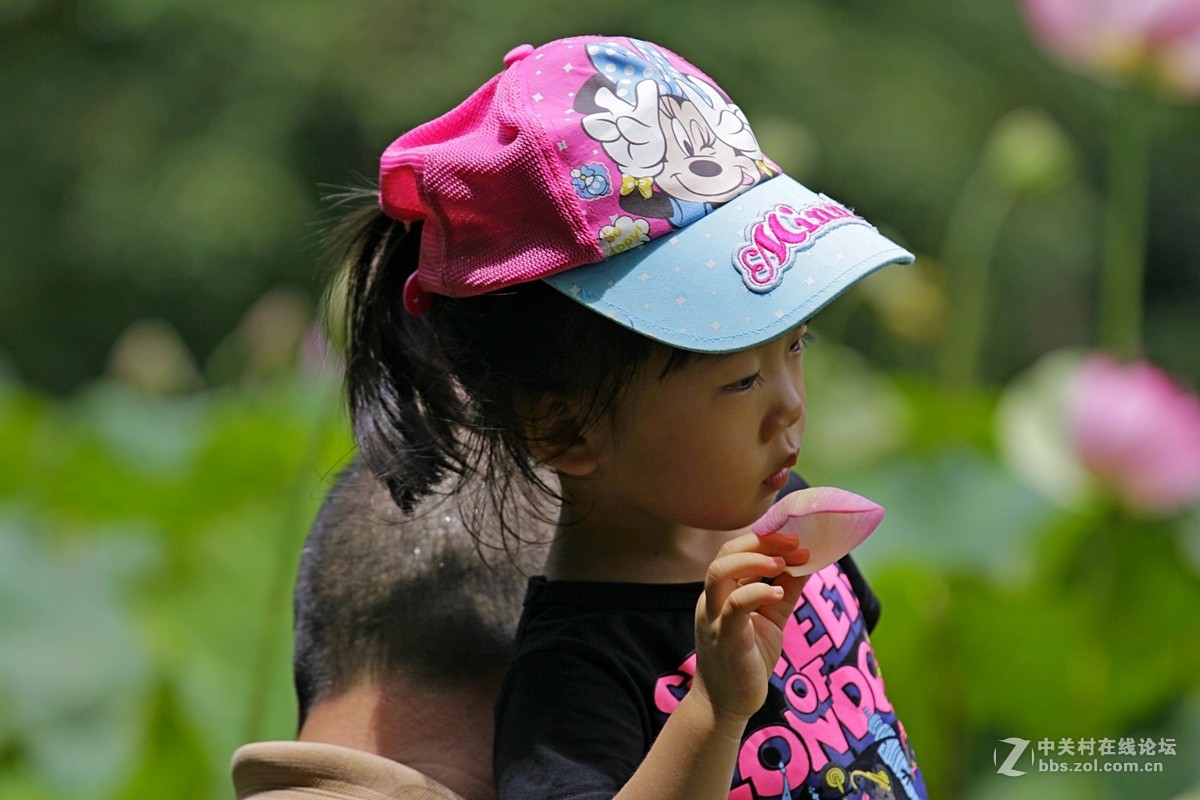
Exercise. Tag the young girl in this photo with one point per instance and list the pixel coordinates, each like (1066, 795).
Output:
(590, 266)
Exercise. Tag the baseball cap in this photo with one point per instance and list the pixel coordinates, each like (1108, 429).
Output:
(624, 177)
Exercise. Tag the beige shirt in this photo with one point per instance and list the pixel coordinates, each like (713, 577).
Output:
(299, 770)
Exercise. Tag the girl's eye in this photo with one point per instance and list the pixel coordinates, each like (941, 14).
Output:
(745, 384)
(800, 342)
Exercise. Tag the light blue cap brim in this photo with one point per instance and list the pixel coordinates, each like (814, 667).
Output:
(684, 288)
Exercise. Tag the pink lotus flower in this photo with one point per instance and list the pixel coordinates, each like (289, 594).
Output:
(1123, 40)
(828, 522)
(1137, 433)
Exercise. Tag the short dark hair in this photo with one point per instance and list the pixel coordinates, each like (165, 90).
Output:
(382, 594)
(456, 390)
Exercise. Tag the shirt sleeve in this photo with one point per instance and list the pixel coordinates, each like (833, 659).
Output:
(568, 725)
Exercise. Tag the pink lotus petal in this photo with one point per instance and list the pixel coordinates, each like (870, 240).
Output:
(1163, 22)
(1122, 39)
(1137, 433)
(829, 522)
(1066, 28)
(1179, 65)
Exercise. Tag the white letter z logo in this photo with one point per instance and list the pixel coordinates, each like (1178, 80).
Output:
(1018, 748)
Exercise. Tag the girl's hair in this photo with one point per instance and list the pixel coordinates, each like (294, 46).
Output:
(461, 391)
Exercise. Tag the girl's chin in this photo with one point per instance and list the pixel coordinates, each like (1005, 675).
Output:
(744, 521)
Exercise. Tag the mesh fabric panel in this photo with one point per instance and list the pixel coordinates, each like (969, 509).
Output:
(500, 231)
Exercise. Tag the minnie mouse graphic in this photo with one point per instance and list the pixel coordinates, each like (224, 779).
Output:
(682, 148)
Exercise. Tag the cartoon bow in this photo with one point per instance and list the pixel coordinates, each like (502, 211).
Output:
(643, 60)
(643, 185)
(767, 168)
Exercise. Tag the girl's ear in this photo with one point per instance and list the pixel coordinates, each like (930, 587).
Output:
(556, 440)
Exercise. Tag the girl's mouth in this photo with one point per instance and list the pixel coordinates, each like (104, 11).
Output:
(778, 479)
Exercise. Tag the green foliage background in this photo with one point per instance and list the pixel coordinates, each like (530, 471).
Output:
(166, 429)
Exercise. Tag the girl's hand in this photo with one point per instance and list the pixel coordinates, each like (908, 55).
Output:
(740, 620)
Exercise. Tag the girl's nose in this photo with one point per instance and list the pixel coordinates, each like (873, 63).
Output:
(795, 404)
(789, 405)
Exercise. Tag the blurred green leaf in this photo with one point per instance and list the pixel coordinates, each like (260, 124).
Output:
(954, 509)
(858, 417)
(1038, 786)
(21, 414)
(72, 671)
(1013, 688)
(173, 761)
(148, 434)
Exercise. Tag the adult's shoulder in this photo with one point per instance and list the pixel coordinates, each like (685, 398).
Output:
(287, 770)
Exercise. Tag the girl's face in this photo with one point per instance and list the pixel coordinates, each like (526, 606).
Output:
(711, 444)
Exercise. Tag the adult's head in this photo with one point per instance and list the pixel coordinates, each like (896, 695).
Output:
(403, 628)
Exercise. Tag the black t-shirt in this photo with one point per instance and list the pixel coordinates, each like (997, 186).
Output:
(598, 668)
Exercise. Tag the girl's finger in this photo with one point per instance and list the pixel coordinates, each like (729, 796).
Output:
(744, 565)
(773, 544)
(795, 559)
(726, 573)
(752, 597)
(776, 544)
(780, 611)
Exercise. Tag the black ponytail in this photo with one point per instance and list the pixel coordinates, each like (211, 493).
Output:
(448, 397)
(393, 367)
